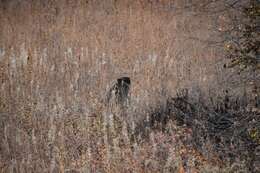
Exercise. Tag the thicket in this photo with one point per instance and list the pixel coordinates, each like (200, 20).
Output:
(223, 130)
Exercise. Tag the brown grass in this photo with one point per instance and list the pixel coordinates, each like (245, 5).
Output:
(57, 60)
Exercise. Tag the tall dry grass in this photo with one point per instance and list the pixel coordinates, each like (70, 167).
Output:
(58, 59)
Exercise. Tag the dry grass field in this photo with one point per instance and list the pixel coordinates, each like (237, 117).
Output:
(59, 58)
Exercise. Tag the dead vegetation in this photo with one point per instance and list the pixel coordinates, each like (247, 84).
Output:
(186, 112)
